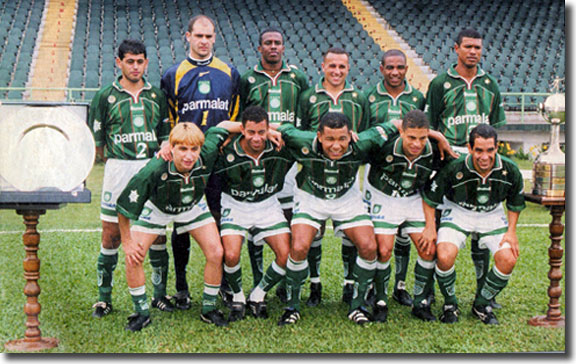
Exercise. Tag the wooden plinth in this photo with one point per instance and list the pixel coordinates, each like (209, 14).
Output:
(553, 317)
(33, 340)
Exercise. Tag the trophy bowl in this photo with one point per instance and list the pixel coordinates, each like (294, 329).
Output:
(554, 108)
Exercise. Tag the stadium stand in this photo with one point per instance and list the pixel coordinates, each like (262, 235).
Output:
(524, 41)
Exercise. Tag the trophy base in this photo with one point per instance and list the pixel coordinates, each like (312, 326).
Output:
(545, 321)
(28, 345)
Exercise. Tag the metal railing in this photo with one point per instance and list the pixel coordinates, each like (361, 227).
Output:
(514, 101)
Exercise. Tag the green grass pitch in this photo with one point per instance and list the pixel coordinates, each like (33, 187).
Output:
(68, 283)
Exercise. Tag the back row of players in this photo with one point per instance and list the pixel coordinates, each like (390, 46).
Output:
(175, 154)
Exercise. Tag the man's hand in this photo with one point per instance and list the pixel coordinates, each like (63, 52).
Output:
(428, 239)
(443, 145)
(165, 152)
(354, 136)
(511, 238)
(276, 138)
(135, 253)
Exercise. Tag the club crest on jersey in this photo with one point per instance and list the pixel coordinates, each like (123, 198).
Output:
(389, 159)
(187, 199)
(111, 99)
(487, 81)
(204, 87)
(146, 212)
(292, 75)
(482, 199)
(414, 99)
(153, 95)
(471, 106)
(406, 183)
(331, 180)
(138, 121)
(251, 79)
(230, 158)
(447, 85)
(459, 175)
(305, 150)
(274, 102)
(372, 98)
(354, 94)
(164, 176)
(313, 99)
(258, 181)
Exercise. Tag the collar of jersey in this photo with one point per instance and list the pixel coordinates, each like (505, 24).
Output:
(238, 148)
(118, 86)
(173, 171)
(285, 68)
(399, 151)
(381, 89)
(318, 149)
(204, 62)
(347, 87)
(470, 165)
(454, 74)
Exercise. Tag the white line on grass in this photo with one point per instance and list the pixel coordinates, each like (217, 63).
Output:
(99, 230)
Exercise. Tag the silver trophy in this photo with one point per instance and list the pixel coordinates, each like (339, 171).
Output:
(550, 166)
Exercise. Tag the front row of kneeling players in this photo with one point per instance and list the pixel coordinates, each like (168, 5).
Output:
(399, 189)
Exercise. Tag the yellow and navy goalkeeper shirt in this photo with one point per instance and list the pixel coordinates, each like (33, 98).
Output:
(202, 92)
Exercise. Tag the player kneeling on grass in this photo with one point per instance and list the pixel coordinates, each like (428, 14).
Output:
(397, 175)
(326, 190)
(173, 191)
(473, 188)
(253, 171)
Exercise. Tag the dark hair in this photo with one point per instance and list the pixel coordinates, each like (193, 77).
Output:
(468, 33)
(485, 131)
(270, 30)
(132, 46)
(392, 53)
(336, 50)
(333, 120)
(194, 19)
(415, 119)
(255, 114)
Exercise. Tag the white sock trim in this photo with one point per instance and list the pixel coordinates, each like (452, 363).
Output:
(427, 264)
(137, 291)
(296, 265)
(276, 268)
(158, 247)
(210, 289)
(366, 264)
(382, 265)
(500, 274)
(233, 269)
(444, 273)
(105, 251)
(314, 279)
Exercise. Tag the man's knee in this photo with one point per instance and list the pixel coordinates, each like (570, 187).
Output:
(505, 260)
(215, 255)
(446, 255)
(110, 235)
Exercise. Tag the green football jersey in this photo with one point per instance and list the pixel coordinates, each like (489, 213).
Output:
(252, 180)
(384, 107)
(455, 107)
(279, 95)
(169, 190)
(459, 182)
(129, 126)
(392, 173)
(316, 101)
(325, 178)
